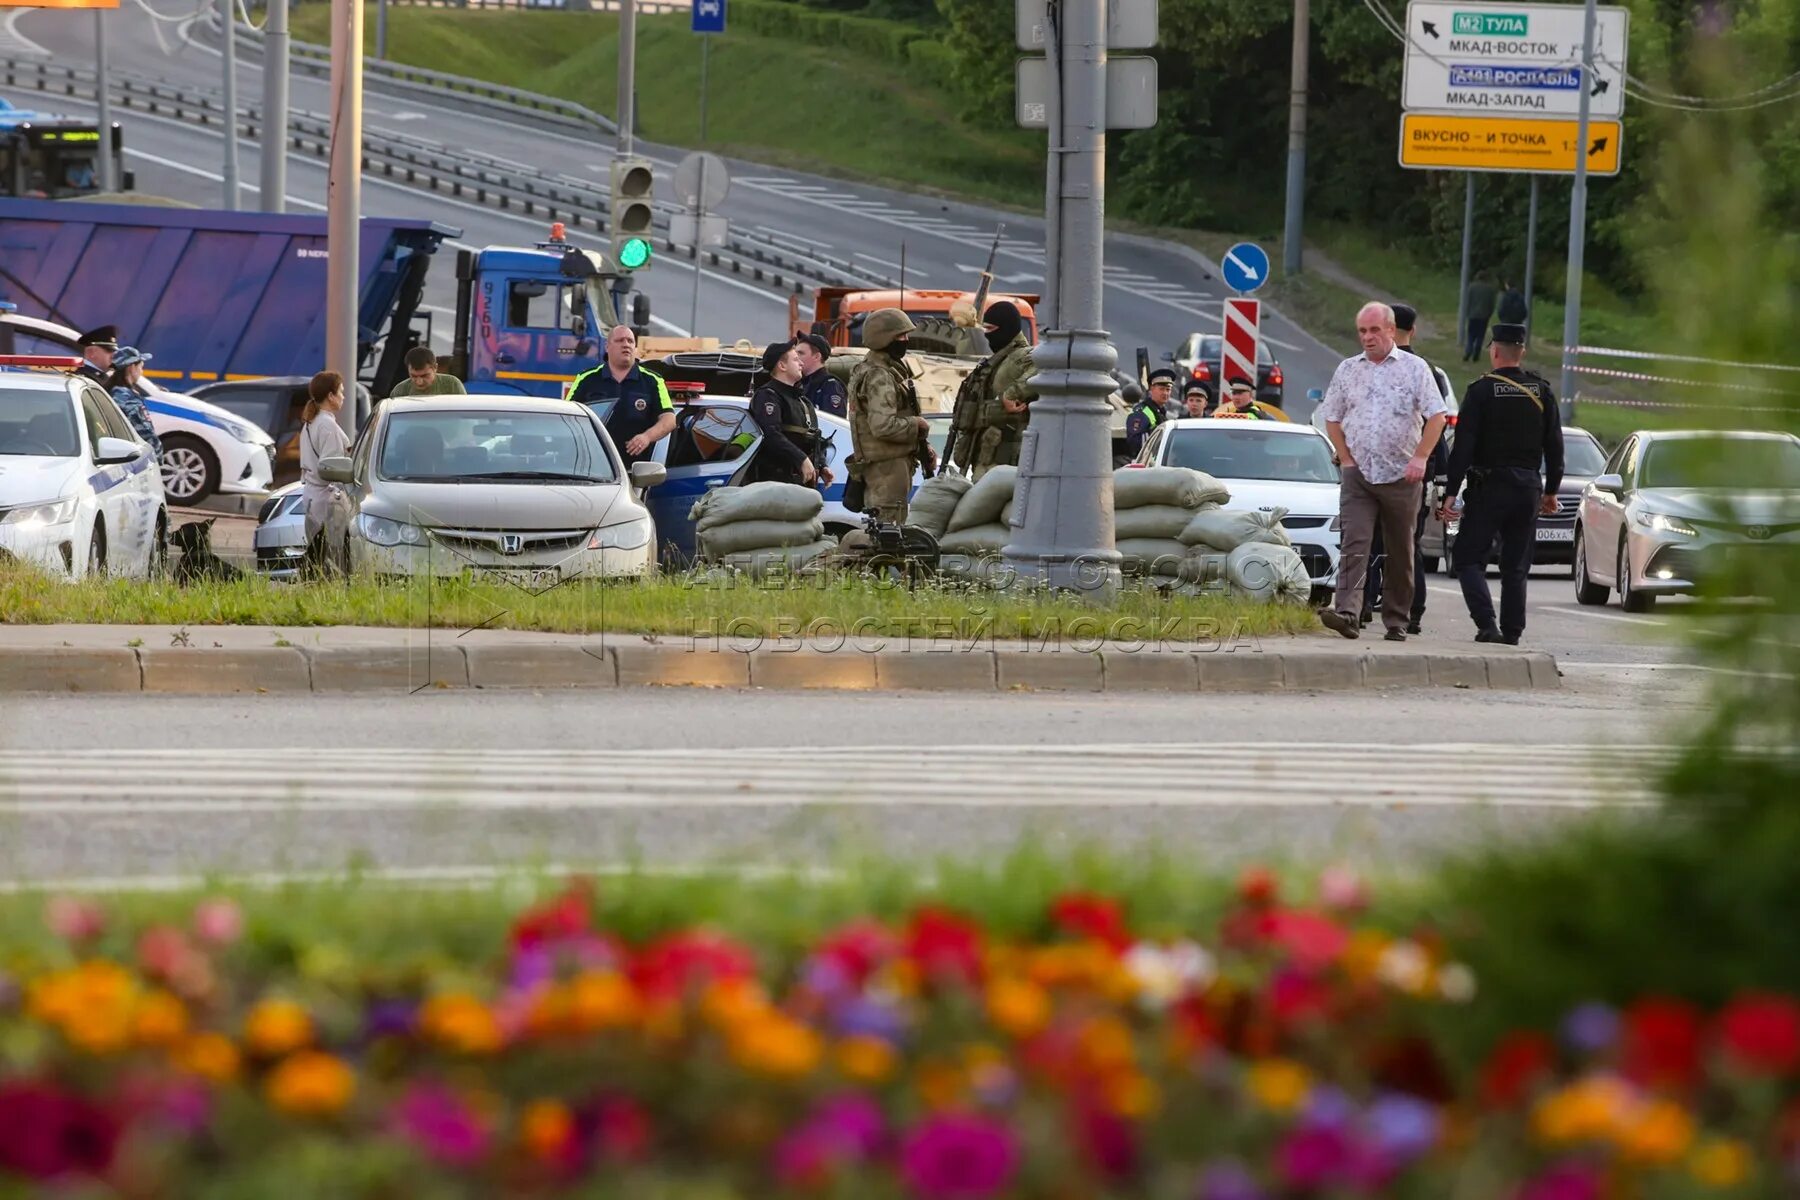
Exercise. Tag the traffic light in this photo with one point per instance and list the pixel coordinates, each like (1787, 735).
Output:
(632, 182)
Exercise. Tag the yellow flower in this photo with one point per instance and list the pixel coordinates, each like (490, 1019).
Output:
(276, 1027)
(1658, 1134)
(208, 1055)
(546, 1128)
(460, 1022)
(1362, 956)
(1278, 1084)
(603, 1000)
(160, 1020)
(1585, 1110)
(1720, 1162)
(777, 1045)
(310, 1084)
(865, 1059)
(1017, 1008)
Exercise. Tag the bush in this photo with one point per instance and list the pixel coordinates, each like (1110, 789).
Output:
(886, 40)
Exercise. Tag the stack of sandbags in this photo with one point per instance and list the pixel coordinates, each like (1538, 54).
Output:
(935, 503)
(1152, 506)
(977, 527)
(761, 528)
(1242, 553)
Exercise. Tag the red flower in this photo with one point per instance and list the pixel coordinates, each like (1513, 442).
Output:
(48, 1134)
(857, 949)
(943, 943)
(621, 1130)
(1313, 942)
(1257, 886)
(693, 958)
(1516, 1063)
(1107, 1141)
(1296, 997)
(564, 916)
(1761, 1033)
(1099, 918)
(1662, 1042)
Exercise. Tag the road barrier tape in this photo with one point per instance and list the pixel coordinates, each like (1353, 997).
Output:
(1608, 352)
(1584, 400)
(1639, 377)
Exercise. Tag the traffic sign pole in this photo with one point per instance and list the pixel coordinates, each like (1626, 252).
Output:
(1296, 171)
(1462, 291)
(1577, 227)
(627, 73)
(103, 100)
(1531, 231)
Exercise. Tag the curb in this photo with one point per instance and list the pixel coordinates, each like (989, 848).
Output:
(569, 665)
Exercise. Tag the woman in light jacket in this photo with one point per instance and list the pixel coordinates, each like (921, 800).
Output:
(321, 437)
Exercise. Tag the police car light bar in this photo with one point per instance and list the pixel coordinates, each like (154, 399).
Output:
(40, 362)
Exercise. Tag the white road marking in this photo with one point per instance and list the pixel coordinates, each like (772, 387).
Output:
(13, 42)
(1604, 616)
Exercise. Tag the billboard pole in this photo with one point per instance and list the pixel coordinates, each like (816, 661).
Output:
(275, 109)
(343, 195)
(228, 30)
(103, 94)
(1577, 221)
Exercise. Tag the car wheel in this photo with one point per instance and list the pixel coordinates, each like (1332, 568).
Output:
(1586, 590)
(1630, 599)
(96, 555)
(190, 470)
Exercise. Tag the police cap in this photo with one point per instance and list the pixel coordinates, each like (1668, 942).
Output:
(773, 354)
(1405, 317)
(106, 337)
(1162, 375)
(1509, 335)
(817, 341)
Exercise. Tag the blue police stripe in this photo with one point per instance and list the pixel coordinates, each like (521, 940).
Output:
(110, 478)
(188, 414)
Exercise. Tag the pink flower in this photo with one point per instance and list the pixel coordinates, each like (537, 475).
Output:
(1566, 1182)
(1343, 889)
(958, 1158)
(844, 1131)
(440, 1123)
(48, 1134)
(1314, 1157)
(74, 919)
(218, 921)
(1313, 942)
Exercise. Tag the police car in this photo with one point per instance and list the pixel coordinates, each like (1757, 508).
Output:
(79, 492)
(205, 448)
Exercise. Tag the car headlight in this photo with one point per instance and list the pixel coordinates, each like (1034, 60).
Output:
(1663, 523)
(1337, 524)
(626, 535)
(243, 431)
(384, 532)
(54, 513)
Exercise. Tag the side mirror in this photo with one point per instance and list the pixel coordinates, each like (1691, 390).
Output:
(578, 327)
(1168, 356)
(115, 450)
(1612, 485)
(646, 475)
(335, 469)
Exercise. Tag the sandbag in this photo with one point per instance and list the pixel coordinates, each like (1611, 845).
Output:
(1006, 514)
(780, 559)
(933, 504)
(1150, 556)
(1228, 528)
(982, 504)
(978, 539)
(766, 501)
(1205, 567)
(1151, 521)
(1265, 572)
(1218, 587)
(742, 537)
(1184, 487)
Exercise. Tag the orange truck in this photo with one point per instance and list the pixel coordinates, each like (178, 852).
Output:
(839, 312)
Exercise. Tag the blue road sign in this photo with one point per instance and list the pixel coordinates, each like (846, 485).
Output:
(709, 16)
(1246, 267)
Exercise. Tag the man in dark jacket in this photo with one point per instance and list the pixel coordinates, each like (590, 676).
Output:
(792, 451)
(97, 349)
(825, 392)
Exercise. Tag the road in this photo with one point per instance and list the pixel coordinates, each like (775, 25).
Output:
(1155, 292)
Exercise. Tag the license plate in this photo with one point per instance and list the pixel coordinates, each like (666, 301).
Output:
(531, 580)
(1556, 535)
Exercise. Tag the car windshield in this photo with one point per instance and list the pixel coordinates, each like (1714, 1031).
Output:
(1582, 455)
(38, 423)
(494, 447)
(1720, 462)
(1240, 452)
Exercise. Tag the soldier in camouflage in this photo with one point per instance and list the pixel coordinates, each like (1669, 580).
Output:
(1005, 408)
(886, 426)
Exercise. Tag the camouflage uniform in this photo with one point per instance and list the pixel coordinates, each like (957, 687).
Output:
(1009, 374)
(884, 422)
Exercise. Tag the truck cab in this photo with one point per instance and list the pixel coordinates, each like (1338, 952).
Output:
(839, 313)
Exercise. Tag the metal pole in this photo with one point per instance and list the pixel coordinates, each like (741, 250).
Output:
(1462, 294)
(343, 196)
(1050, 311)
(103, 92)
(1531, 248)
(699, 228)
(228, 30)
(275, 108)
(1062, 506)
(705, 54)
(1577, 222)
(381, 30)
(627, 72)
(1296, 173)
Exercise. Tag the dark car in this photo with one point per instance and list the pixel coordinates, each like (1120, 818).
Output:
(1583, 458)
(1198, 360)
(273, 404)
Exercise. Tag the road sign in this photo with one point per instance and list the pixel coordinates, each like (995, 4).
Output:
(1237, 355)
(686, 230)
(1130, 92)
(1536, 145)
(1522, 59)
(1245, 267)
(701, 181)
(1130, 24)
(709, 16)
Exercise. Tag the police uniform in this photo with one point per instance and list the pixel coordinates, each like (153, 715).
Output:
(821, 387)
(106, 337)
(1144, 416)
(641, 398)
(790, 428)
(1508, 426)
(1173, 410)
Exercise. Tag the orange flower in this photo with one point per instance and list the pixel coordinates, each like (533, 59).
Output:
(865, 1059)
(940, 1084)
(208, 1055)
(776, 1045)
(460, 1022)
(276, 1027)
(1660, 1134)
(1130, 1095)
(1106, 1044)
(310, 1084)
(731, 1003)
(603, 1000)
(1278, 1084)
(160, 1020)
(1720, 1162)
(1586, 1110)
(91, 1004)
(1017, 1008)
(547, 1129)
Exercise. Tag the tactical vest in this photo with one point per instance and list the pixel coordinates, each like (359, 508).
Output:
(869, 448)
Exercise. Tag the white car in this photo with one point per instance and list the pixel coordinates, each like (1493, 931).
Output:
(79, 492)
(205, 448)
(1266, 465)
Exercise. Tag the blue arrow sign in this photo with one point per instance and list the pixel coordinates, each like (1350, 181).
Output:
(709, 16)
(1246, 267)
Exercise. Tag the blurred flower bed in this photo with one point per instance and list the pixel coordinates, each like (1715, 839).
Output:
(1293, 1048)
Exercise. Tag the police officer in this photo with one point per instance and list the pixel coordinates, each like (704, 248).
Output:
(885, 423)
(1005, 410)
(1239, 400)
(825, 392)
(792, 451)
(97, 349)
(1508, 425)
(642, 413)
(1195, 400)
(1162, 393)
(1144, 416)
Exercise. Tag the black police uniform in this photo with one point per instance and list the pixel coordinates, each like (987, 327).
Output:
(826, 393)
(641, 398)
(1508, 425)
(790, 427)
(1144, 417)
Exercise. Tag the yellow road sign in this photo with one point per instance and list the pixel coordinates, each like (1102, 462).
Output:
(1539, 145)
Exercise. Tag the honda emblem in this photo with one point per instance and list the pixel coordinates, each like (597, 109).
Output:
(511, 543)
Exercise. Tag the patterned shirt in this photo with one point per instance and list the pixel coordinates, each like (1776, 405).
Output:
(1382, 407)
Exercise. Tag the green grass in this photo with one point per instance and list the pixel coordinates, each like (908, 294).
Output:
(777, 101)
(670, 606)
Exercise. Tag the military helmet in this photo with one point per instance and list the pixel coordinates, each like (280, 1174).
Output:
(883, 326)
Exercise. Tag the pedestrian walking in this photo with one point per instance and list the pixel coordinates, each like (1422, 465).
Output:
(97, 347)
(821, 387)
(321, 437)
(1508, 425)
(1512, 309)
(642, 413)
(1383, 415)
(1406, 318)
(424, 379)
(886, 427)
(1478, 310)
(791, 451)
(125, 382)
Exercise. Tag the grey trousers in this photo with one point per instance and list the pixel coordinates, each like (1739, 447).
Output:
(1361, 505)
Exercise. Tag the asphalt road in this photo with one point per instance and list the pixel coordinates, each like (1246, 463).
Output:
(1156, 293)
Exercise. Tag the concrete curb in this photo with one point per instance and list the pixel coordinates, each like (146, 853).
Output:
(563, 665)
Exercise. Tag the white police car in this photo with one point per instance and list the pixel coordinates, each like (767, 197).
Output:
(79, 492)
(205, 448)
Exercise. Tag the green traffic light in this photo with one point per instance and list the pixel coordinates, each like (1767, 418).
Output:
(634, 253)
